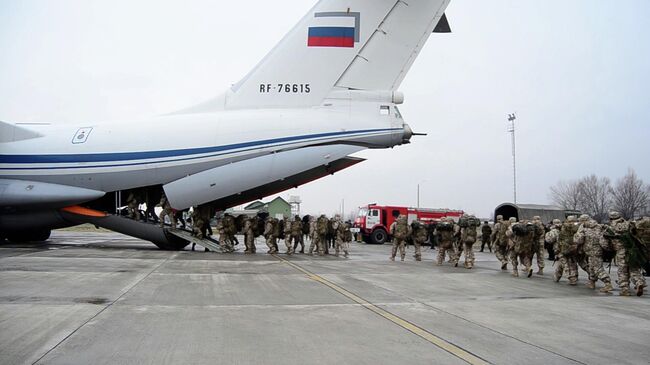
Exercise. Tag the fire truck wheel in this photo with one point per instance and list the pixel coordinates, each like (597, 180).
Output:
(379, 236)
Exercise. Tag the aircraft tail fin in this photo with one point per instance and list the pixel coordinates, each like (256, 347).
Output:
(348, 44)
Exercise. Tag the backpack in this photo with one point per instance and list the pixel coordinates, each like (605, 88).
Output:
(520, 230)
(565, 241)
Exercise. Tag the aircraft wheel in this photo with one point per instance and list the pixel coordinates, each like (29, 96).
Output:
(32, 236)
(173, 243)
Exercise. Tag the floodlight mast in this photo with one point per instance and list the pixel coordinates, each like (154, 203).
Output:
(511, 130)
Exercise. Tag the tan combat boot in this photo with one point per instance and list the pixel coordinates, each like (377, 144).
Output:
(515, 273)
(573, 282)
(625, 292)
(591, 284)
(607, 288)
(540, 271)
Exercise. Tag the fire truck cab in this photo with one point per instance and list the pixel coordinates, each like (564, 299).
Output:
(373, 221)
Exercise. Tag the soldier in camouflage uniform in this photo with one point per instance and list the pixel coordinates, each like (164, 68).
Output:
(621, 227)
(521, 235)
(270, 228)
(166, 211)
(250, 223)
(538, 244)
(486, 236)
(468, 236)
(581, 256)
(320, 235)
(642, 232)
(133, 205)
(339, 236)
(419, 234)
(445, 233)
(296, 234)
(287, 235)
(566, 250)
(590, 237)
(500, 241)
(400, 231)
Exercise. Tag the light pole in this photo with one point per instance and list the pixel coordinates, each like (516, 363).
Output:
(418, 200)
(511, 130)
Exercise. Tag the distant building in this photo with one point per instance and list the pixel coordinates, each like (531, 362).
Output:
(277, 207)
(528, 211)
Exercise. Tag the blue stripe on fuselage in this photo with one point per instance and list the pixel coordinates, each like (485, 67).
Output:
(130, 156)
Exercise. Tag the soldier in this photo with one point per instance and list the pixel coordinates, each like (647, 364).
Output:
(166, 211)
(287, 235)
(521, 235)
(339, 231)
(270, 229)
(642, 232)
(486, 233)
(619, 236)
(581, 257)
(296, 234)
(249, 234)
(133, 205)
(400, 231)
(320, 236)
(538, 244)
(313, 235)
(500, 241)
(445, 233)
(458, 244)
(565, 251)
(468, 236)
(347, 237)
(419, 234)
(229, 229)
(591, 238)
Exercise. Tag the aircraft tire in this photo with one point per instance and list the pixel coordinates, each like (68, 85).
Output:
(172, 243)
(33, 236)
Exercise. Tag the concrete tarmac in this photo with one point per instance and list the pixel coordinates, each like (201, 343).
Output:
(104, 298)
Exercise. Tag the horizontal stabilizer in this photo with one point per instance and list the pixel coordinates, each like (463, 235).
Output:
(12, 133)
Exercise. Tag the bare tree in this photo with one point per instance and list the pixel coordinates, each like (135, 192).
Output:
(594, 196)
(566, 194)
(629, 196)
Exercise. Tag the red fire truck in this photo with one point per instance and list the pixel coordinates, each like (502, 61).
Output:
(373, 221)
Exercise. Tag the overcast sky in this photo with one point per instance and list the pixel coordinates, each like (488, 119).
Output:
(577, 73)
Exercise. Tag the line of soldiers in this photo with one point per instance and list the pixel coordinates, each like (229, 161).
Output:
(323, 233)
(577, 242)
(452, 239)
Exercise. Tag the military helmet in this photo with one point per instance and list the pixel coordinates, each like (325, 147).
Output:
(537, 218)
(584, 218)
(557, 221)
(571, 218)
(512, 220)
(450, 219)
(614, 215)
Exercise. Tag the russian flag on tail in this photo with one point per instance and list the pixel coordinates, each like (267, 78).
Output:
(335, 35)
(331, 37)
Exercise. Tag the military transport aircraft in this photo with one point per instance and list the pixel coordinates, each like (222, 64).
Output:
(326, 91)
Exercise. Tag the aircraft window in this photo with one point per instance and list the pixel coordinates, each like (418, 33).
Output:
(384, 110)
(398, 115)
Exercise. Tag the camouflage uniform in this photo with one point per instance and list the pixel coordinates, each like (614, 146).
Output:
(642, 231)
(565, 251)
(270, 233)
(500, 241)
(538, 244)
(166, 211)
(445, 233)
(581, 256)
(320, 235)
(590, 237)
(296, 234)
(486, 234)
(419, 234)
(249, 234)
(132, 204)
(313, 240)
(620, 227)
(468, 236)
(287, 235)
(522, 235)
(339, 235)
(400, 231)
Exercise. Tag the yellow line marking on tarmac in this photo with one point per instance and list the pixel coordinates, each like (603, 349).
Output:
(439, 342)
